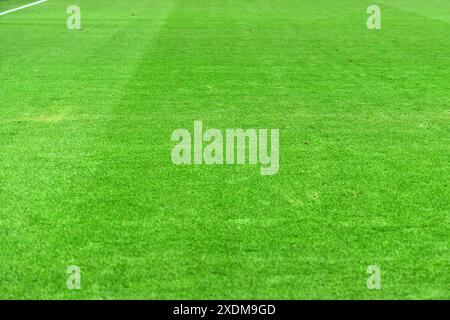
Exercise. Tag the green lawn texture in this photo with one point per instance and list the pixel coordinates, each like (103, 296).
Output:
(86, 177)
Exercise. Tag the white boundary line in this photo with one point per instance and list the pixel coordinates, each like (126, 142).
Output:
(22, 7)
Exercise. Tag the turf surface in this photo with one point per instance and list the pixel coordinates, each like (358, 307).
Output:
(86, 177)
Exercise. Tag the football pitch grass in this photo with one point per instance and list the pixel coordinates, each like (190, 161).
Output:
(86, 177)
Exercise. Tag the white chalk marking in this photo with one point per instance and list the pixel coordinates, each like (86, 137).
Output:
(22, 7)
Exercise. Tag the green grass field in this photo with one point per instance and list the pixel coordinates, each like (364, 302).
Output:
(86, 176)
